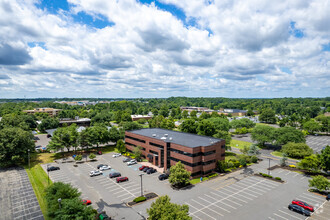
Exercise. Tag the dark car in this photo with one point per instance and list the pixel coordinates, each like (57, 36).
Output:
(163, 176)
(100, 165)
(114, 174)
(151, 170)
(125, 160)
(299, 209)
(52, 168)
(145, 169)
(49, 136)
(328, 197)
(121, 179)
(303, 204)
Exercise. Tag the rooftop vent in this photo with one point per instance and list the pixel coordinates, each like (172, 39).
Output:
(170, 138)
(154, 135)
(163, 138)
(165, 135)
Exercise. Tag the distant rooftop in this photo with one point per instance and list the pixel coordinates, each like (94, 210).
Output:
(181, 138)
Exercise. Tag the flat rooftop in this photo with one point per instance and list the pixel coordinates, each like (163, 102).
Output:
(181, 138)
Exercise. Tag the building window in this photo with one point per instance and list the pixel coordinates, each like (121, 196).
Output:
(223, 146)
(136, 139)
(209, 153)
(154, 152)
(222, 155)
(157, 145)
(128, 143)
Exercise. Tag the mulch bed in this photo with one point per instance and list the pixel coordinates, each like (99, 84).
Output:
(279, 181)
(148, 197)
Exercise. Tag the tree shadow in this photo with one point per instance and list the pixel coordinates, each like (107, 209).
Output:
(102, 204)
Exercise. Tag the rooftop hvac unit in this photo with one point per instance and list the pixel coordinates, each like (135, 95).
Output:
(154, 135)
(170, 138)
(163, 138)
(165, 135)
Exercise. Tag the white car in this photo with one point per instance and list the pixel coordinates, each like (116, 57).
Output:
(105, 167)
(132, 162)
(95, 173)
(116, 155)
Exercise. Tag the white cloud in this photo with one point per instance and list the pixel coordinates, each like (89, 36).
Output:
(235, 49)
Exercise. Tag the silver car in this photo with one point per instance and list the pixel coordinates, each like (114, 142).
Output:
(95, 173)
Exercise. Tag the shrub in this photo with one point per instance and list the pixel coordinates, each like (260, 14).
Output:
(266, 175)
(254, 159)
(213, 175)
(227, 170)
(297, 150)
(78, 158)
(140, 199)
(230, 165)
(248, 160)
(92, 156)
(242, 162)
(278, 178)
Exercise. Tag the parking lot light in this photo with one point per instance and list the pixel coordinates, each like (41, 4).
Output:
(269, 166)
(48, 173)
(141, 184)
(29, 157)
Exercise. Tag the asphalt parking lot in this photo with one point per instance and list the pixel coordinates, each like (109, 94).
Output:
(229, 197)
(17, 198)
(317, 142)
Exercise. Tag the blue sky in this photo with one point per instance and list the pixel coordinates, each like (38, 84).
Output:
(163, 48)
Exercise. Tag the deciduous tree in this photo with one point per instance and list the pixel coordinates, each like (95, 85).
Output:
(179, 176)
(319, 182)
(262, 134)
(267, 116)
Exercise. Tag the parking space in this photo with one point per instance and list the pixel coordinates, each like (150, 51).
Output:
(322, 213)
(17, 198)
(317, 142)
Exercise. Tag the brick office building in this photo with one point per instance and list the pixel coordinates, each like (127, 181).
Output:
(164, 148)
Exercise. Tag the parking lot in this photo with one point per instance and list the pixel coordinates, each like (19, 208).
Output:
(317, 142)
(17, 198)
(230, 197)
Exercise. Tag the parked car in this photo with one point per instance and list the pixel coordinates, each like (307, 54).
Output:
(328, 197)
(52, 168)
(100, 165)
(132, 162)
(86, 201)
(126, 159)
(142, 167)
(151, 170)
(121, 179)
(299, 209)
(303, 204)
(105, 167)
(163, 176)
(95, 173)
(114, 174)
(116, 155)
(99, 152)
(145, 169)
(49, 136)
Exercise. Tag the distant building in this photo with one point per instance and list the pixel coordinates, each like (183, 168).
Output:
(50, 111)
(165, 148)
(233, 112)
(137, 117)
(85, 122)
(327, 114)
(197, 109)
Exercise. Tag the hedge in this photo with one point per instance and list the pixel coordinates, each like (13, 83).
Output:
(140, 199)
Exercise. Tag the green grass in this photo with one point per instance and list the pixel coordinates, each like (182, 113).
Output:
(280, 154)
(39, 182)
(198, 180)
(263, 124)
(239, 144)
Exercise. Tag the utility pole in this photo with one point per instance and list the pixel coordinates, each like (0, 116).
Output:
(29, 157)
(141, 184)
(269, 166)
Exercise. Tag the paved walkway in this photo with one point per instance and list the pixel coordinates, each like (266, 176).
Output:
(17, 198)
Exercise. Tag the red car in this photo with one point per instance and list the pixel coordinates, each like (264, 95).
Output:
(121, 179)
(303, 204)
(141, 168)
(99, 152)
(86, 201)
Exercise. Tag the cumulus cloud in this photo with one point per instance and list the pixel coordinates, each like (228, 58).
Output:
(215, 48)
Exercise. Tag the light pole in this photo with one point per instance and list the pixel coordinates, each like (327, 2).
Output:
(48, 173)
(29, 157)
(59, 202)
(141, 183)
(269, 166)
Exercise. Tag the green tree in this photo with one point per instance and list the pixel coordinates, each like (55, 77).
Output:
(288, 134)
(250, 113)
(215, 115)
(78, 158)
(179, 176)
(121, 146)
(206, 128)
(312, 126)
(164, 111)
(220, 123)
(74, 209)
(137, 152)
(204, 115)
(242, 123)
(193, 114)
(48, 123)
(262, 134)
(319, 182)
(163, 209)
(253, 150)
(14, 146)
(84, 138)
(283, 160)
(185, 114)
(189, 126)
(297, 150)
(114, 134)
(311, 162)
(267, 116)
(325, 158)
(99, 135)
(64, 137)
(128, 126)
(224, 135)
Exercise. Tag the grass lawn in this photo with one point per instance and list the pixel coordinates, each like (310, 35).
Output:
(198, 180)
(239, 144)
(39, 181)
(280, 154)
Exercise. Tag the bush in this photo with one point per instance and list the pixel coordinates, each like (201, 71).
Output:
(266, 175)
(140, 199)
(254, 159)
(78, 158)
(248, 160)
(230, 165)
(92, 156)
(278, 178)
(227, 170)
(242, 162)
(297, 150)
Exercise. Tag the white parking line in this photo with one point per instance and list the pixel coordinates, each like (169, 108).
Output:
(256, 188)
(313, 196)
(214, 204)
(208, 208)
(288, 173)
(122, 195)
(289, 214)
(227, 200)
(234, 192)
(296, 174)
(280, 216)
(313, 200)
(245, 189)
(193, 208)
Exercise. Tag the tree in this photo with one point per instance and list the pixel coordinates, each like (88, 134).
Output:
(121, 146)
(253, 150)
(283, 160)
(297, 150)
(179, 176)
(114, 134)
(48, 123)
(64, 137)
(262, 134)
(14, 146)
(137, 152)
(214, 115)
(163, 209)
(250, 113)
(92, 156)
(128, 126)
(206, 128)
(319, 182)
(193, 114)
(242, 123)
(267, 116)
(311, 162)
(311, 126)
(224, 135)
(220, 123)
(74, 209)
(288, 134)
(185, 114)
(163, 111)
(99, 135)
(325, 158)
(189, 126)
(204, 115)
(84, 138)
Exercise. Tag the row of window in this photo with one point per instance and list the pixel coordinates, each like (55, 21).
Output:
(193, 164)
(193, 155)
(136, 139)
(128, 143)
(157, 145)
